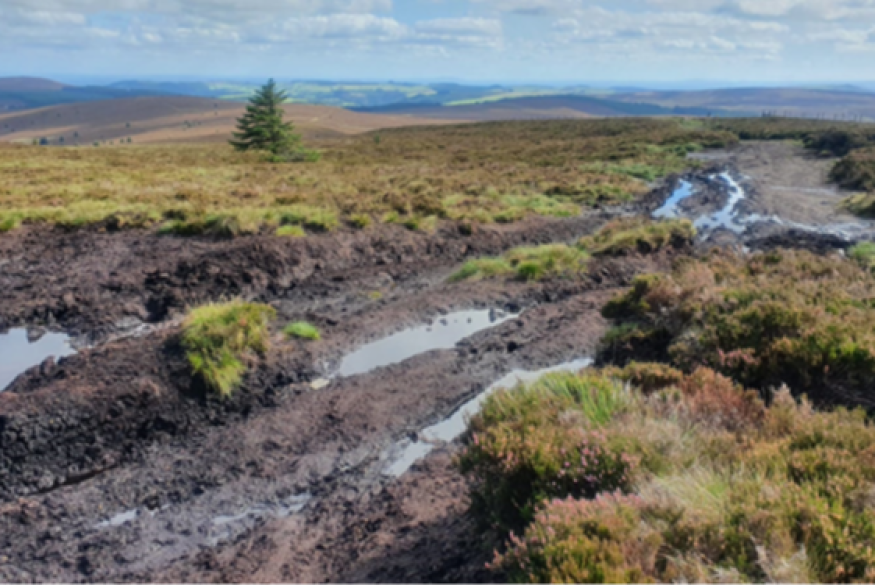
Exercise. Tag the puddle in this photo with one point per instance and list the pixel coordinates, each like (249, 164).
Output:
(669, 209)
(119, 519)
(727, 217)
(444, 333)
(17, 353)
(407, 453)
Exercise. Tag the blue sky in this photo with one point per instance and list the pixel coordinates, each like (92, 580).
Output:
(478, 41)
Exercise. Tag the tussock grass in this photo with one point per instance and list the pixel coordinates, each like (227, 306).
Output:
(302, 330)
(474, 173)
(639, 235)
(220, 338)
(527, 263)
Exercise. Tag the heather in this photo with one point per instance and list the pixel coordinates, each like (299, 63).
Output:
(592, 479)
(764, 320)
(480, 173)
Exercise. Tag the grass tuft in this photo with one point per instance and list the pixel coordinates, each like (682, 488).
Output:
(219, 338)
(625, 236)
(291, 231)
(302, 330)
(529, 264)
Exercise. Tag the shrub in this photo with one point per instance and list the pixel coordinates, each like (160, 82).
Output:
(219, 338)
(624, 236)
(783, 317)
(574, 541)
(302, 330)
(724, 489)
(855, 171)
(541, 441)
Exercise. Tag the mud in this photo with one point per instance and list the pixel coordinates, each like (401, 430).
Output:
(761, 195)
(95, 283)
(115, 464)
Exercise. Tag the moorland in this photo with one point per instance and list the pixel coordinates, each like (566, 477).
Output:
(609, 350)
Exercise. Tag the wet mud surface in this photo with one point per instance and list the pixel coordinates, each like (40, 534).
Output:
(759, 196)
(116, 465)
(97, 283)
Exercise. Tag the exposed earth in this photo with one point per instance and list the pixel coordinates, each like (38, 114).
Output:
(116, 465)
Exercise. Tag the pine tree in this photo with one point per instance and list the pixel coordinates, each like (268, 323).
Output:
(262, 126)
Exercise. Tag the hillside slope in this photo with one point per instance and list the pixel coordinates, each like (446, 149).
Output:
(176, 119)
(798, 102)
(543, 108)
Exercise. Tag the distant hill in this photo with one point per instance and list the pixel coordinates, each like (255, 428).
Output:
(176, 119)
(782, 101)
(23, 93)
(545, 107)
(25, 84)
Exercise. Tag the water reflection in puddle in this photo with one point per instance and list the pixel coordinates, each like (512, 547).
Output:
(444, 333)
(119, 519)
(17, 353)
(670, 209)
(283, 509)
(727, 217)
(407, 453)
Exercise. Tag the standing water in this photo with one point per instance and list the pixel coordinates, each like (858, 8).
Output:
(453, 427)
(18, 353)
(444, 333)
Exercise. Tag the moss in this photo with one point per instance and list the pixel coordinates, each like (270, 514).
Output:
(302, 330)
(219, 338)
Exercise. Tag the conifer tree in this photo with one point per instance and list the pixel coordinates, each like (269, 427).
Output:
(262, 126)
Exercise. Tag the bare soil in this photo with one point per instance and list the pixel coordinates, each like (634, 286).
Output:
(116, 465)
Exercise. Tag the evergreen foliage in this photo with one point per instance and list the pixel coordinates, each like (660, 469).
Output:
(262, 126)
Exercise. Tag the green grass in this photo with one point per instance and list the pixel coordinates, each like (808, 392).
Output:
(302, 330)
(527, 263)
(220, 338)
(864, 254)
(639, 235)
(291, 231)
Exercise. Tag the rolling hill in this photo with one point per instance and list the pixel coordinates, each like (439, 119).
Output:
(782, 101)
(546, 107)
(176, 119)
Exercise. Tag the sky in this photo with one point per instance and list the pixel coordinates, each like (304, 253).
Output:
(474, 41)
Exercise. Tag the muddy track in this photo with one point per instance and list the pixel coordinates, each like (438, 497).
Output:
(123, 427)
(93, 282)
